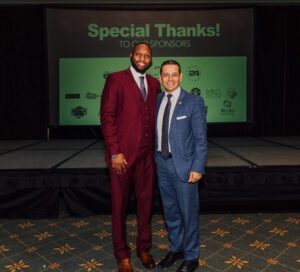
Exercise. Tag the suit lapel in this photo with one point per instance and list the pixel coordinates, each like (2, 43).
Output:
(149, 83)
(159, 99)
(131, 79)
(177, 108)
(132, 83)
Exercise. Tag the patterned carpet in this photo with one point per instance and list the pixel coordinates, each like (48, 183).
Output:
(229, 242)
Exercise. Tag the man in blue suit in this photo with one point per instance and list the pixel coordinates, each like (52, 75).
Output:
(181, 149)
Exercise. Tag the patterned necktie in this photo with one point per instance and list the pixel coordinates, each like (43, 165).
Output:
(143, 88)
(165, 130)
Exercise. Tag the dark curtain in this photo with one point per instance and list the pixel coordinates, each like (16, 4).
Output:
(23, 94)
(44, 194)
(292, 124)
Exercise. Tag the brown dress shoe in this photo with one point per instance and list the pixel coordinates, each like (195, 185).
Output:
(125, 266)
(147, 260)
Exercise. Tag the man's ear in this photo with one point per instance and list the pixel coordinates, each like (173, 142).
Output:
(180, 77)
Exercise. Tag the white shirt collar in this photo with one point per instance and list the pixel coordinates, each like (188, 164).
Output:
(175, 93)
(136, 74)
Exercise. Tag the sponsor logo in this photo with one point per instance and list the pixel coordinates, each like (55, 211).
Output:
(227, 109)
(79, 112)
(90, 95)
(72, 96)
(213, 93)
(106, 74)
(227, 103)
(193, 73)
(231, 93)
(196, 91)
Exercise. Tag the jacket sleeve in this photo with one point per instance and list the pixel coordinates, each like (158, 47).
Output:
(109, 114)
(199, 130)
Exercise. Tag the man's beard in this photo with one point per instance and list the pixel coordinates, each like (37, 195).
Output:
(142, 71)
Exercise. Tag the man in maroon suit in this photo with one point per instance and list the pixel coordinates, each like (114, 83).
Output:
(128, 107)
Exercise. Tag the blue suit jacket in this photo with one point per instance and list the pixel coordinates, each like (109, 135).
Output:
(187, 135)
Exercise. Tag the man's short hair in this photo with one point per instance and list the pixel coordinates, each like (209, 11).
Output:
(170, 62)
(139, 43)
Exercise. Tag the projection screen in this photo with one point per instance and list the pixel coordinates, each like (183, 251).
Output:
(213, 46)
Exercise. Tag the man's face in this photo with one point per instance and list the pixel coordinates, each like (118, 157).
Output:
(141, 58)
(170, 77)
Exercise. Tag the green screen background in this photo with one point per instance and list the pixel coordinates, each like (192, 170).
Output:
(221, 81)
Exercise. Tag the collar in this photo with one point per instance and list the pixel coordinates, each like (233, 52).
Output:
(175, 93)
(135, 73)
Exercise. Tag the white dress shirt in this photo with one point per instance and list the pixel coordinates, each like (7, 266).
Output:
(136, 76)
(174, 98)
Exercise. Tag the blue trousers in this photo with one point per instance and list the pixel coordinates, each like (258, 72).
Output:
(181, 209)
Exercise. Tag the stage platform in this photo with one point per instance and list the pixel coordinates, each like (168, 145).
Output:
(37, 177)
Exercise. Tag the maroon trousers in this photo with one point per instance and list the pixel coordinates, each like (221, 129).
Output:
(141, 176)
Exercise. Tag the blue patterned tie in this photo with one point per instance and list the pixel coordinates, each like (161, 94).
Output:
(165, 130)
(142, 87)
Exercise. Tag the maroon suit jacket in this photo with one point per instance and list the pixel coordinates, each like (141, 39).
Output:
(121, 120)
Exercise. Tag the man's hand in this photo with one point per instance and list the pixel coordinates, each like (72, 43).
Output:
(118, 163)
(195, 177)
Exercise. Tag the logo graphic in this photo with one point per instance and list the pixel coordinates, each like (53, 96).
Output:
(196, 91)
(90, 95)
(227, 109)
(106, 74)
(72, 95)
(231, 93)
(79, 112)
(193, 73)
(227, 103)
(213, 93)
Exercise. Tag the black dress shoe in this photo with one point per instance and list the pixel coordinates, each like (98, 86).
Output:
(170, 258)
(188, 266)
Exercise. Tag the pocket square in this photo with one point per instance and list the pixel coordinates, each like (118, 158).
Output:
(180, 117)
